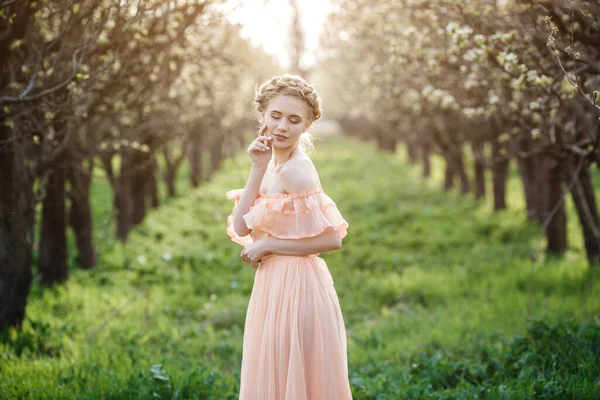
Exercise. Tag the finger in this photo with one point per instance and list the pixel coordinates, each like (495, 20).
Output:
(264, 140)
(254, 147)
(261, 149)
(262, 146)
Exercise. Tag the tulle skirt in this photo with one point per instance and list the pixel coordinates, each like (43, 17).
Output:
(294, 337)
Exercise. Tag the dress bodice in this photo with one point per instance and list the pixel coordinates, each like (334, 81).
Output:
(288, 216)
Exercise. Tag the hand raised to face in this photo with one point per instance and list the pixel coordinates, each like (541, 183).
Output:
(260, 149)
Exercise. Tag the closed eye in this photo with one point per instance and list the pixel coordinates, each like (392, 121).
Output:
(292, 121)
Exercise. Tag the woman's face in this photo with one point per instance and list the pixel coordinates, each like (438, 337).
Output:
(286, 119)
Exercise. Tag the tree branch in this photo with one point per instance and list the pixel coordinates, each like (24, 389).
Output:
(22, 98)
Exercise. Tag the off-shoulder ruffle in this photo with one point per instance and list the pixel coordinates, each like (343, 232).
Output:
(289, 216)
(243, 240)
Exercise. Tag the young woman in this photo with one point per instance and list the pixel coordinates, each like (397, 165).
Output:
(294, 337)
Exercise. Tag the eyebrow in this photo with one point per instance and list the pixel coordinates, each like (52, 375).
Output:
(293, 115)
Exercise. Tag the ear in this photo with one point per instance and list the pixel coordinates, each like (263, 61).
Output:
(308, 124)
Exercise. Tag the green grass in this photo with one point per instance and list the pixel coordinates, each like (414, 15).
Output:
(442, 297)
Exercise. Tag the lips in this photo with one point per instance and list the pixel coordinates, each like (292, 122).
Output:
(280, 137)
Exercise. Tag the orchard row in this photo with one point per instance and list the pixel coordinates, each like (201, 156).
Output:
(126, 90)
(500, 80)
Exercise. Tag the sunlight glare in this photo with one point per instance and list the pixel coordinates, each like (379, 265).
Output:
(268, 23)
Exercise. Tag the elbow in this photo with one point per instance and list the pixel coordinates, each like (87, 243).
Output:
(241, 229)
(336, 243)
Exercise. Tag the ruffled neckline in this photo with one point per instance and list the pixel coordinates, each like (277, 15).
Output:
(288, 215)
(291, 195)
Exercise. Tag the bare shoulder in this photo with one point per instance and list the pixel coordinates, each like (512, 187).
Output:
(299, 175)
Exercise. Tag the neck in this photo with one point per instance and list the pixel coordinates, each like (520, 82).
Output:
(282, 155)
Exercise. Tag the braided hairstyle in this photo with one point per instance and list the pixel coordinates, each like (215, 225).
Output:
(293, 86)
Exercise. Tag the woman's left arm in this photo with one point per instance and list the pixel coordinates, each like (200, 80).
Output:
(327, 241)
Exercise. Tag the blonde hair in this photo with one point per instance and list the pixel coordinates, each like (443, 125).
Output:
(293, 86)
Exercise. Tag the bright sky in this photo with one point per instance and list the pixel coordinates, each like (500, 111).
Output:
(267, 24)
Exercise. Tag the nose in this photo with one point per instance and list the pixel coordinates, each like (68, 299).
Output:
(282, 126)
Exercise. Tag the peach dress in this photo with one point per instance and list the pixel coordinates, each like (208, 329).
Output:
(294, 337)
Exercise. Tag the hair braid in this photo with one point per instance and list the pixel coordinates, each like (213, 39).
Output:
(288, 85)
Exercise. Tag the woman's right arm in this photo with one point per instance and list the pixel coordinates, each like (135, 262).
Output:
(249, 195)
(260, 153)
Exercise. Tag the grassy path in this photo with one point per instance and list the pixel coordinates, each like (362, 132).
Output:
(432, 286)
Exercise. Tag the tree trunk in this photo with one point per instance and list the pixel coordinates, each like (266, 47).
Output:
(196, 157)
(499, 172)
(123, 209)
(121, 189)
(556, 228)
(528, 179)
(170, 182)
(17, 204)
(52, 258)
(465, 186)
(122, 198)
(479, 166)
(455, 167)
(448, 175)
(413, 152)
(153, 184)
(584, 198)
(170, 173)
(388, 144)
(499, 178)
(80, 214)
(527, 171)
(426, 162)
(17, 210)
(296, 38)
(138, 175)
(541, 188)
(386, 141)
(216, 154)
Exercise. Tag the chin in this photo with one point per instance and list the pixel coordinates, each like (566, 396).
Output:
(283, 145)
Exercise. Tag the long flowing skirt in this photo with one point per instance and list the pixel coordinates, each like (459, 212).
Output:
(294, 337)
